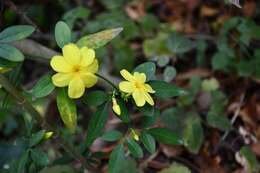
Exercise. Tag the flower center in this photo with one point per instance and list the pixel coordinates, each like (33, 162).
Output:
(76, 69)
(138, 85)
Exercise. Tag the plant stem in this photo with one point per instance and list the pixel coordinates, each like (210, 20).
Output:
(21, 100)
(107, 80)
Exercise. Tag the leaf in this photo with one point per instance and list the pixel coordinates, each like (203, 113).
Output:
(216, 115)
(72, 15)
(220, 61)
(219, 121)
(112, 135)
(95, 98)
(193, 135)
(96, 124)
(134, 148)
(99, 39)
(115, 159)
(176, 168)
(125, 117)
(39, 157)
(37, 137)
(129, 165)
(124, 57)
(10, 53)
(148, 141)
(165, 136)
(252, 163)
(169, 73)
(58, 169)
(62, 34)
(162, 61)
(16, 32)
(177, 43)
(43, 87)
(211, 84)
(22, 162)
(166, 90)
(67, 109)
(148, 68)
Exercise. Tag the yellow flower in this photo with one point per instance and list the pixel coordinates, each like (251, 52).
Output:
(136, 86)
(116, 107)
(76, 69)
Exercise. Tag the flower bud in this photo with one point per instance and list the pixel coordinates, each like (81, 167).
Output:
(116, 107)
(134, 135)
(47, 135)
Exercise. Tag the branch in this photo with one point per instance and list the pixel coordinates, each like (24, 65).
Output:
(21, 100)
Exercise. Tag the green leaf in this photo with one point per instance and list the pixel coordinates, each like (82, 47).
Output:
(220, 61)
(7, 64)
(62, 34)
(148, 110)
(95, 98)
(149, 22)
(166, 136)
(72, 15)
(96, 124)
(166, 90)
(43, 87)
(177, 43)
(148, 141)
(16, 32)
(58, 169)
(22, 162)
(211, 84)
(176, 168)
(67, 109)
(193, 135)
(115, 159)
(169, 73)
(124, 58)
(148, 68)
(134, 148)
(125, 117)
(37, 137)
(112, 135)
(99, 39)
(162, 61)
(216, 115)
(39, 157)
(219, 121)
(10, 53)
(174, 119)
(252, 163)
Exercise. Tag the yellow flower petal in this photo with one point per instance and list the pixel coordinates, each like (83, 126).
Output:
(128, 76)
(139, 98)
(148, 98)
(59, 64)
(149, 89)
(76, 88)
(89, 79)
(61, 79)
(140, 77)
(71, 54)
(126, 86)
(92, 68)
(87, 56)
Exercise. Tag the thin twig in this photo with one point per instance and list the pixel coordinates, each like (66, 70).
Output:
(241, 100)
(14, 8)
